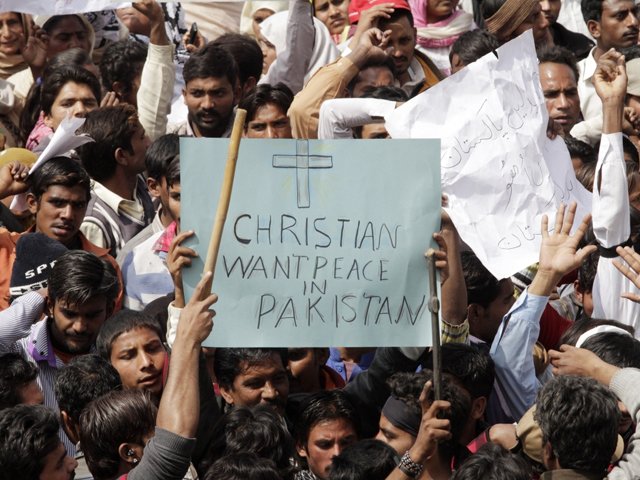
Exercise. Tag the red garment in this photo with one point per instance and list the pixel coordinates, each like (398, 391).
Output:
(552, 326)
(330, 379)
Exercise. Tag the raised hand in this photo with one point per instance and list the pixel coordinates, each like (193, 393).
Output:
(570, 360)
(179, 257)
(630, 268)
(196, 319)
(610, 77)
(370, 19)
(153, 11)
(13, 179)
(432, 429)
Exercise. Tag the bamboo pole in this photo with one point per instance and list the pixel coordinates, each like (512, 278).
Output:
(225, 197)
(434, 308)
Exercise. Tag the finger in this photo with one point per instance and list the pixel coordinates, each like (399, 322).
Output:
(180, 238)
(631, 257)
(584, 252)
(184, 252)
(559, 218)
(631, 296)
(582, 229)
(207, 302)
(200, 288)
(424, 397)
(544, 226)
(566, 348)
(440, 241)
(436, 407)
(569, 216)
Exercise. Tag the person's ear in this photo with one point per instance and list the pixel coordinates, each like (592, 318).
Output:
(184, 95)
(122, 156)
(130, 453)
(415, 37)
(478, 407)
(47, 120)
(226, 394)
(153, 186)
(32, 203)
(69, 427)
(578, 291)
(594, 28)
(456, 62)
(302, 451)
(49, 307)
(549, 459)
(249, 85)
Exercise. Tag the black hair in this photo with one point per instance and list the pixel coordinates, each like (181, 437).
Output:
(471, 365)
(211, 61)
(79, 276)
(121, 62)
(242, 466)
(586, 175)
(580, 149)
(364, 460)
(587, 272)
(62, 75)
(482, 287)
(323, 406)
(29, 433)
(82, 380)
(245, 51)
(579, 418)
(395, 94)
(397, 14)
(561, 55)
(123, 321)
(230, 362)
(377, 62)
(278, 94)
(62, 171)
(622, 351)
(591, 10)
(407, 388)
(111, 128)
(473, 45)
(159, 155)
(31, 110)
(117, 417)
(15, 374)
(259, 430)
(492, 462)
(571, 334)
(173, 174)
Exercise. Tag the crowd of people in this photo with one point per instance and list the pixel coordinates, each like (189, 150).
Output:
(103, 373)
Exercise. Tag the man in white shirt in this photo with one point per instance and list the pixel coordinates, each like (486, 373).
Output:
(613, 24)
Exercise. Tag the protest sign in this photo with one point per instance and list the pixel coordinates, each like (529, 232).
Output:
(324, 241)
(499, 169)
(66, 7)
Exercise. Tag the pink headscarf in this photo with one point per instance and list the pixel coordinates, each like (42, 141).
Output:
(442, 33)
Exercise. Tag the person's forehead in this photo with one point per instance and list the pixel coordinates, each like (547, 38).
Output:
(555, 71)
(269, 111)
(398, 26)
(94, 304)
(332, 428)
(268, 366)
(73, 89)
(9, 16)
(68, 24)
(135, 337)
(62, 192)
(376, 73)
(209, 83)
(615, 6)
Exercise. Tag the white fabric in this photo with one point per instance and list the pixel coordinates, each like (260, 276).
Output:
(156, 87)
(274, 29)
(611, 226)
(251, 7)
(590, 129)
(598, 330)
(338, 116)
(571, 17)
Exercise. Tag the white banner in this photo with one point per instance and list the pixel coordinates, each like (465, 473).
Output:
(499, 169)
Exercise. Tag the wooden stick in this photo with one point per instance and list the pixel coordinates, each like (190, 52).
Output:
(434, 308)
(225, 197)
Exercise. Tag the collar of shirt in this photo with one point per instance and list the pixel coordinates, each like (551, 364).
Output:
(40, 347)
(164, 241)
(118, 204)
(589, 66)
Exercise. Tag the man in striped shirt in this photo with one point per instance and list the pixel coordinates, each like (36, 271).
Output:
(81, 295)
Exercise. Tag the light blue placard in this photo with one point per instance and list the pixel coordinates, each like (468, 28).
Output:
(324, 240)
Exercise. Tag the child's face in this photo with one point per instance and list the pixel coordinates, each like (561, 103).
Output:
(438, 10)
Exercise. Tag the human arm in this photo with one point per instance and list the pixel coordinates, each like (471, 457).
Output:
(291, 65)
(432, 430)
(332, 81)
(16, 320)
(339, 115)
(511, 350)
(158, 74)
(454, 290)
